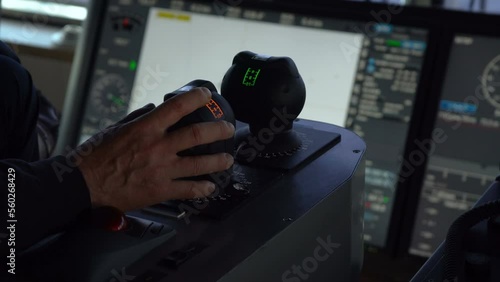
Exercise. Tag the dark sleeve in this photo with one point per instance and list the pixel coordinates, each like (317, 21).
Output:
(18, 109)
(47, 196)
(37, 198)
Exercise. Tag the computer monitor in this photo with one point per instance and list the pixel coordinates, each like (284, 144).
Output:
(465, 158)
(358, 72)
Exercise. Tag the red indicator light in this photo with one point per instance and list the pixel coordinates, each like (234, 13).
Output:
(126, 22)
(109, 218)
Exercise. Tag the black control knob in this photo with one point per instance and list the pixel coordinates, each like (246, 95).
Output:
(217, 109)
(268, 93)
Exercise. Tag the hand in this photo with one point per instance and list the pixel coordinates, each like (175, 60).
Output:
(136, 164)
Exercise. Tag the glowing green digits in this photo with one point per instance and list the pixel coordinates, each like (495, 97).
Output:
(251, 77)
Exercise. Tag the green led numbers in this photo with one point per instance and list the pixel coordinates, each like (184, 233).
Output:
(251, 77)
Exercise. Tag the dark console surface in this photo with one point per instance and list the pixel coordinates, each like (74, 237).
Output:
(287, 217)
(267, 227)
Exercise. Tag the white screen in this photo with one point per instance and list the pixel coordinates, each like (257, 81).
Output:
(179, 47)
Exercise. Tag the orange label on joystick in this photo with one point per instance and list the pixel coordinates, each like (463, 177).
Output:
(215, 109)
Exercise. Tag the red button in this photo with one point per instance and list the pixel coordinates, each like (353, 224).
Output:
(109, 218)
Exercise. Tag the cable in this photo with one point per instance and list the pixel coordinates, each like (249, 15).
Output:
(453, 252)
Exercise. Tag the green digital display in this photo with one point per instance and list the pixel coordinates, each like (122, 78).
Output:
(251, 77)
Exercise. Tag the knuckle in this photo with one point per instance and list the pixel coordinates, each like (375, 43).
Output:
(227, 129)
(198, 90)
(196, 166)
(196, 133)
(223, 163)
(226, 162)
(216, 163)
(201, 91)
(192, 190)
(223, 129)
(139, 128)
(176, 105)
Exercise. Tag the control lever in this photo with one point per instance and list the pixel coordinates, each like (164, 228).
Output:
(268, 93)
(217, 109)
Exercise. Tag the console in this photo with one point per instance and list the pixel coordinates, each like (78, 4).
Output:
(272, 224)
(367, 76)
(291, 207)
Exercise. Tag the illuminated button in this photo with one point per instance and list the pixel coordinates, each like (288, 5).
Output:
(126, 24)
(132, 65)
(109, 218)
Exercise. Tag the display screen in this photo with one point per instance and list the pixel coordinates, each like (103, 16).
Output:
(465, 158)
(358, 75)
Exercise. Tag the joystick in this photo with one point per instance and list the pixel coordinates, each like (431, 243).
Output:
(217, 109)
(268, 93)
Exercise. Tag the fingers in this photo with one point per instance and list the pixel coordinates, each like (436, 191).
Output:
(200, 133)
(201, 165)
(137, 113)
(188, 167)
(185, 189)
(171, 111)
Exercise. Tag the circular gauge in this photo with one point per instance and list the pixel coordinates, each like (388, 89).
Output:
(491, 82)
(109, 97)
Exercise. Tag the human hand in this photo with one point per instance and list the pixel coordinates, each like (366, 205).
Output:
(136, 164)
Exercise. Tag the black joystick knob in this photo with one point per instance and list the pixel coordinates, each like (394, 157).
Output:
(268, 93)
(217, 109)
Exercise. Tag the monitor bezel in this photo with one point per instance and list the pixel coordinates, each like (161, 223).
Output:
(458, 23)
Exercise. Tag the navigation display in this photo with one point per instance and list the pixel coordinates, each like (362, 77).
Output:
(466, 158)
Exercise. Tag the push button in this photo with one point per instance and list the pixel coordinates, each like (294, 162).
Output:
(177, 258)
(156, 228)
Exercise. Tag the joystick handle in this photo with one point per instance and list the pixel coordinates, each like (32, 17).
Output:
(268, 93)
(217, 109)
(263, 89)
